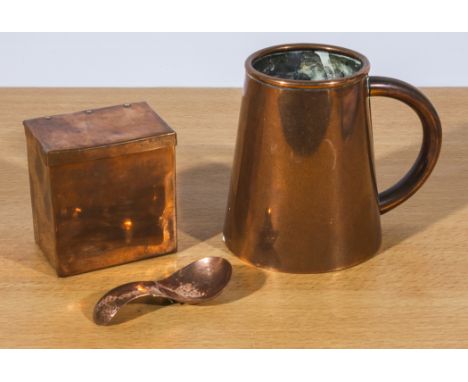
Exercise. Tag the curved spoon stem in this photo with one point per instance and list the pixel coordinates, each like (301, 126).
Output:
(109, 304)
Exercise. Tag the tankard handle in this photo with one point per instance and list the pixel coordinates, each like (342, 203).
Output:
(431, 142)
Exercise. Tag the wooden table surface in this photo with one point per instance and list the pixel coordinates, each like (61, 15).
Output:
(413, 294)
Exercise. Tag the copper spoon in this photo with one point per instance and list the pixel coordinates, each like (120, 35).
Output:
(198, 282)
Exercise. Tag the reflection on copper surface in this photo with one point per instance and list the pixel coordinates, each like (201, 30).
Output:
(304, 126)
(330, 144)
(127, 224)
(76, 212)
(268, 234)
(165, 219)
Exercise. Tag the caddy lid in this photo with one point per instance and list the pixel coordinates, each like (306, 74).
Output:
(100, 133)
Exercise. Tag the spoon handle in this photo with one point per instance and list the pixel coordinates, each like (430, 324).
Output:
(109, 304)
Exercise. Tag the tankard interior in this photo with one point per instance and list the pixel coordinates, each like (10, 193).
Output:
(307, 65)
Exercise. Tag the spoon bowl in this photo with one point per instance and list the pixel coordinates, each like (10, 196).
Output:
(196, 283)
(199, 281)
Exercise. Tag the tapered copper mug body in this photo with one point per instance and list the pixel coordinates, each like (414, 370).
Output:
(303, 195)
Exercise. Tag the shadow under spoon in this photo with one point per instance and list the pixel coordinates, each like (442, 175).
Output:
(196, 283)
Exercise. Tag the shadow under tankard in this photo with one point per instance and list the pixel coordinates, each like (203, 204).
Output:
(201, 196)
(444, 178)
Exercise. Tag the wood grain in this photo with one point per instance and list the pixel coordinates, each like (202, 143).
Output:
(413, 294)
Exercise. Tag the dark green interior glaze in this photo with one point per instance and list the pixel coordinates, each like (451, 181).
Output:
(308, 65)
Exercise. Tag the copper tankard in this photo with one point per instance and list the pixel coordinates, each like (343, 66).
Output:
(303, 195)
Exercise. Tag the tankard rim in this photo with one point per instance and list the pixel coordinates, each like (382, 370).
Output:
(306, 84)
